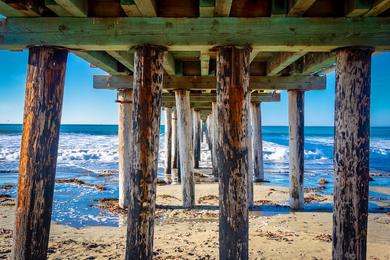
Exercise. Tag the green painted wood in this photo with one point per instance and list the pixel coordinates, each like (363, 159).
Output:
(299, 7)
(206, 8)
(378, 7)
(204, 63)
(130, 8)
(316, 62)
(281, 60)
(77, 8)
(357, 7)
(267, 34)
(147, 7)
(56, 8)
(279, 8)
(126, 58)
(104, 61)
(169, 64)
(208, 83)
(8, 11)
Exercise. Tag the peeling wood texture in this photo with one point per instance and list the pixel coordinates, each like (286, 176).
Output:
(168, 145)
(125, 99)
(232, 151)
(257, 142)
(351, 153)
(175, 149)
(197, 131)
(38, 154)
(148, 81)
(296, 147)
(185, 147)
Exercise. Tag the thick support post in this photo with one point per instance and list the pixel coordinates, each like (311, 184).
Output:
(197, 130)
(168, 145)
(185, 147)
(175, 150)
(257, 142)
(351, 153)
(125, 99)
(251, 168)
(232, 151)
(38, 154)
(147, 87)
(208, 132)
(214, 132)
(296, 147)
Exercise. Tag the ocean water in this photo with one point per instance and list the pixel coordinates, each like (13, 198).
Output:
(87, 150)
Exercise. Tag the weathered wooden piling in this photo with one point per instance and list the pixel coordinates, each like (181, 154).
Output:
(232, 151)
(125, 109)
(175, 150)
(351, 152)
(251, 168)
(257, 141)
(214, 132)
(185, 147)
(38, 154)
(197, 128)
(168, 145)
(147, 87)
(296, 147)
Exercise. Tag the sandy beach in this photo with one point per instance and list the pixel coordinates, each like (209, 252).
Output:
(193, 234)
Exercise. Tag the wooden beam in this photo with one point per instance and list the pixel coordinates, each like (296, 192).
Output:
(126, 58)
(146, 7)
(378, 7)
(206, 8)
(168, 145)
(206, 99)
(279, 8)
(316, 62)
(130, 8)
(56, 8)
(257, 140)
(267, 34)
(299, 7)
(204, 63)
(208, 83)
(222, 7)
(169, 64)
(356, 7)
(77, 8)
(281, 60)
(9, 11)
(253, 55)
(103, 61)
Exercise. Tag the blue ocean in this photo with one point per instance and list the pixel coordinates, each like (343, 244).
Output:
(87, 151)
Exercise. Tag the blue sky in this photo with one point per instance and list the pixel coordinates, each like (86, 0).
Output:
(83, 104)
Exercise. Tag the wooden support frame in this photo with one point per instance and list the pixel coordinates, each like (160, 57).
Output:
(379, 6)
(208, 83)
(257, 141)
(103, 61)
(222, 7)
(169, 64)
(168, 145)
(130, 8)
(206, 8)
(281, 60)
(126, 58)
(299, 7)
(267, 33)
(77, 8)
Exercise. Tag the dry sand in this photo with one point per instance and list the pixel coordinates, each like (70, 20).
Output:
(193, 234)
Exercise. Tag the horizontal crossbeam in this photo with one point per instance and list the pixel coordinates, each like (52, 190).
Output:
(205, 99)
(291, 34)
(209, 83)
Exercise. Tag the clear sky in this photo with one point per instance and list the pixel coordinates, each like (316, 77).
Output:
(84, 105)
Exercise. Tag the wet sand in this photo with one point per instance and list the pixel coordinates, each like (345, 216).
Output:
(193, 234)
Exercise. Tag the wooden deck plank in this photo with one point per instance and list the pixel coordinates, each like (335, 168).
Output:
(266, 34)
(209, 83)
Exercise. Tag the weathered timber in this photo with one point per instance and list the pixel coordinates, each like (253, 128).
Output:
(257, 141)
(296, 147)
(168, 145)
(299, 7)
(293, 34)
(208, 83)
(130, 8)
(75, 7)
(148, 74)
(169, 64)
(222, 7)
(232, 151)
(56, 8)
(356, 7)
(204, 63)
(146, 7)
(214, 132)
(126, 58)
(175, 149)
(351, 153)
(125, 109)
(184, 123)
(279, 8)
(281, 60)
(206, 8)
(251, 168)
(379, 6)
(103, 61)
(38, 154)
(9, 11)
(196, 137)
